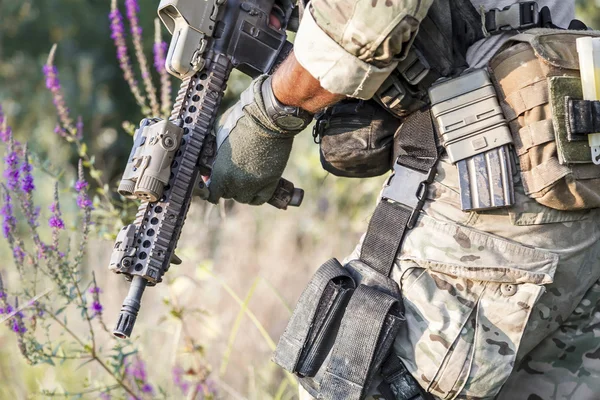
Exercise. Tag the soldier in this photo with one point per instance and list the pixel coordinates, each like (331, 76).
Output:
(498, 303)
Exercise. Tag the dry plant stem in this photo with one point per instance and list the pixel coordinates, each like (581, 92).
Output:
(165, 79)
(124, 62)
(88, 391)
(136, 33)
(93, 355)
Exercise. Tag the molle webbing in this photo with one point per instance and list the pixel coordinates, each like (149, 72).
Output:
(537, 75)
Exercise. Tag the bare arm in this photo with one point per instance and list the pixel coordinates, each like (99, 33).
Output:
(294, 86)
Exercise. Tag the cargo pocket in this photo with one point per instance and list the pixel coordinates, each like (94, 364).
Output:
(468, 296)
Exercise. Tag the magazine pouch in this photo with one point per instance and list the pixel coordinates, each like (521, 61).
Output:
(314, 323)
(352, 342)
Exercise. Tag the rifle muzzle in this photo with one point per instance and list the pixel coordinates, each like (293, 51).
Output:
(130, 309)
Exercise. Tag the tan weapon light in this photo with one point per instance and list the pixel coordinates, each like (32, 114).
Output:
(149, 165)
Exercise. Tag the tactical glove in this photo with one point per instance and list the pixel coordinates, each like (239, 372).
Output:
(252, 149)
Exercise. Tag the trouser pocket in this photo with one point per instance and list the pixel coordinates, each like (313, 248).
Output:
(468, 296)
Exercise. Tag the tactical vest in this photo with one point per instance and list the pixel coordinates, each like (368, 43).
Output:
(340, 335)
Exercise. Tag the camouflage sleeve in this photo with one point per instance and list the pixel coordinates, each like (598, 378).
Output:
(351, 46)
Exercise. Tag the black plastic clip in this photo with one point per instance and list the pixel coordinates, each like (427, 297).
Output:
(407, 187)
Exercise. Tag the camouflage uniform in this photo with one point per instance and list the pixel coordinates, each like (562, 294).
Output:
(501, 303)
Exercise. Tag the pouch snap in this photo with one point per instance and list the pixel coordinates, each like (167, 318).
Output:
(508, 289)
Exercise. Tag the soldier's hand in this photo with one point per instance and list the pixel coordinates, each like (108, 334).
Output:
(252, 151)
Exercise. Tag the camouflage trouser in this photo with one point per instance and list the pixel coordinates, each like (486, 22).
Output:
(504, 301)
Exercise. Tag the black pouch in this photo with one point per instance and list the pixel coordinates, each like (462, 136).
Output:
(313, 327)
(356, 138)
(342, 330)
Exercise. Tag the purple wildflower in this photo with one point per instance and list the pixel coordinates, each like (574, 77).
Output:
(104, 396)
(147, 388)
(95, 290)
(19, 254)
(17, 324)
(97, 308)
(56, 222)
(11, 162)
(118, 35)
(83, 200)
(53, 84)
(132, 7)
(27, 185)
(137, 370)
(160, 55)
(80, 185)
(179, 380)
(9, 222)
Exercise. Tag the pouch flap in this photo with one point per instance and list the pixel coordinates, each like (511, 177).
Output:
(368, 328)
(301, 348)
(476, 255)
(555, 47)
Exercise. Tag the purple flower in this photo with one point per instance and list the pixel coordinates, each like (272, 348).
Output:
(11, 171)
(17, 324)
(95, 290)
(19, 254)
(55, 220)
(83, 200)
(9, 222)
(53, 84)
(160, 54)
(139, 370)
(97, 308)
(27, 185)
(104, 396)
(80, 185)
(179, 380)
(147, 388)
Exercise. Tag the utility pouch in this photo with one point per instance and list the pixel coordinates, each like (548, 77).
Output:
(354, 338)
(537, 75)
(356, 138)
(476, 137)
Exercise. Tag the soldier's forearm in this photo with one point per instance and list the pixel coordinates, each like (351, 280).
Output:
(293, 85)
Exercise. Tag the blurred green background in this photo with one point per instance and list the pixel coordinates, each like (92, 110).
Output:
(248, 248)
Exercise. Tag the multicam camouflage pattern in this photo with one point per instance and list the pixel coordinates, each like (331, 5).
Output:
(510, 296)
(383, 31)
(353, 56)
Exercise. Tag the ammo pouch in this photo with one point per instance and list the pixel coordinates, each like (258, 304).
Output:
(537, 77)
(342, 330)
(356, 138)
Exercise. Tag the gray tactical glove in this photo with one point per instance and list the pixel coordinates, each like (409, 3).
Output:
(254, 140)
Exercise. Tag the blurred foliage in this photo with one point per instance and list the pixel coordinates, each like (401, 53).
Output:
(91, 77)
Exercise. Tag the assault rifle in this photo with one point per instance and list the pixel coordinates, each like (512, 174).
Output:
(168, 158)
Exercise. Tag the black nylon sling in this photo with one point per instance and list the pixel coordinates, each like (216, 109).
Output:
(391, 219)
